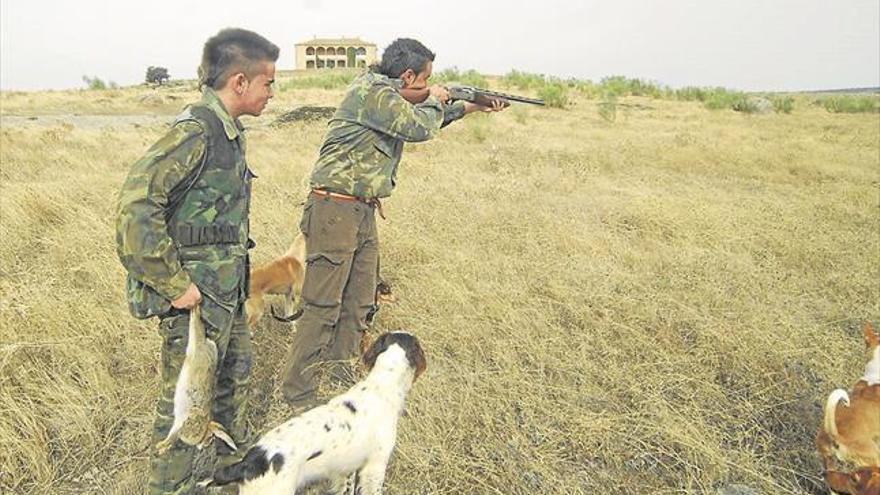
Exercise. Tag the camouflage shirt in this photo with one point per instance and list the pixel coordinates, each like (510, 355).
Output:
(182, 220)
(364, 144)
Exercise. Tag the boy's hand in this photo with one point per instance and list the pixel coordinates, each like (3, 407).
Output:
(440, 92)
(497, 106)
(189, 299)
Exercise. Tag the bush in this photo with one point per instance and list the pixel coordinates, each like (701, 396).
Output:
(745, 104)
(478, 125)
(783, 104)
(468, 78)
(554, 95)
(587, 88)
(157, 75)
(98, 83)
(331, 79)
(622, 86)
(690, 93)
(720, 99)
(608, 107)
(851, 104)
(524, 80)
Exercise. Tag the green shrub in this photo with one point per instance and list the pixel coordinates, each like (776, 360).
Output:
(588, 89)
(783, 104)
(614, 85)
(478, 125)
(608, 107)
(690, 93)
(524, 80)
(330, 79)
(622, 86)
(95, 82)
(554, 95)
(744, 104)
(851, 104)
(720, 98)
(467, 78)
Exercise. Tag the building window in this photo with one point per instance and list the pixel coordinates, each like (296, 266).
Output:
(331, 64)
(331, 51)
(310, 50)
(362, 51)
(321, 51)
(320, 64)
(340, 51)
(341, 63)
(310, 64)
(362, 63)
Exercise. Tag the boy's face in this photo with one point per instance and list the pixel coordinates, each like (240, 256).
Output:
(257, 90)
(411, 80)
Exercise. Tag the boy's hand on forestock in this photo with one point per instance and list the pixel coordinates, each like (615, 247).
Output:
(440, 92)
(497, 106)
(189, 299)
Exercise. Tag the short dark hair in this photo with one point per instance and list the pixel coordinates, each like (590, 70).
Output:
(234, 50)
(403, 54)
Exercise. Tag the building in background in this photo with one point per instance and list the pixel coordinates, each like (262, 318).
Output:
(330, 53)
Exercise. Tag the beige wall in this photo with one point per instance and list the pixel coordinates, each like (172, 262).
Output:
(327, 54)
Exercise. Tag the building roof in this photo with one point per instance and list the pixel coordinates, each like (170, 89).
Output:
(335, 42)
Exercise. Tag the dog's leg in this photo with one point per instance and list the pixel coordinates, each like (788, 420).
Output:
(342, 485)
(371, 477)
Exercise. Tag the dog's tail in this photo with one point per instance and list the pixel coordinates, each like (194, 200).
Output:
(254, 465)
(831, 409)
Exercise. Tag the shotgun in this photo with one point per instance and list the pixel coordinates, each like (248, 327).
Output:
(479, 96)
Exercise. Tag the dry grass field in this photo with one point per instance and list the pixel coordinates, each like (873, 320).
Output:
(654, 305)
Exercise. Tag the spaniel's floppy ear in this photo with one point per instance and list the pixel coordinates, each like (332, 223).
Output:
(378, 347)
(407, 342)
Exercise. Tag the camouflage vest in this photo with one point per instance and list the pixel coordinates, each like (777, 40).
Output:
(207, 218)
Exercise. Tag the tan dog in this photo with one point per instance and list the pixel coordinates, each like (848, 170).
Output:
(284, 275)
(849, 440)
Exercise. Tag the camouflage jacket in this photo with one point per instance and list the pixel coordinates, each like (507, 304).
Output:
(364, 144)
(183, 216)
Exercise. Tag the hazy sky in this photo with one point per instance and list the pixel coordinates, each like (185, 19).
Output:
(743, 44)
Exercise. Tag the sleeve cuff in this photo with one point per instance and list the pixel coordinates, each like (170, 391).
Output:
(454, 111)
(176, 286)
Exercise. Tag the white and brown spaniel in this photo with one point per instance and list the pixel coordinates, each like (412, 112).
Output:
(349, 440)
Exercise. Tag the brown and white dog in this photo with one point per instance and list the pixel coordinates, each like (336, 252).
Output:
(849, 439)
(349, 440)
(864, 481)
(284, 275)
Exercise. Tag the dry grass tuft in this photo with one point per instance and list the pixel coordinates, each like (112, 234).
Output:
(654, 306)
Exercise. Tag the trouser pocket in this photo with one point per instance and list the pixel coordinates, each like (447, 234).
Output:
(326, 275)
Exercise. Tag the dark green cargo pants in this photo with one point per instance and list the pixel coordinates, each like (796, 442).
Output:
(339, 289)
(171, 473)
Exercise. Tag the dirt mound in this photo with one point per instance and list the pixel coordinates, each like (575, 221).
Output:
(305, 113)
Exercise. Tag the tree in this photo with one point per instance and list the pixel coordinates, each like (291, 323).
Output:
(158, 75)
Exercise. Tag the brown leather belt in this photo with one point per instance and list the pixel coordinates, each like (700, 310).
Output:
(374, 202)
